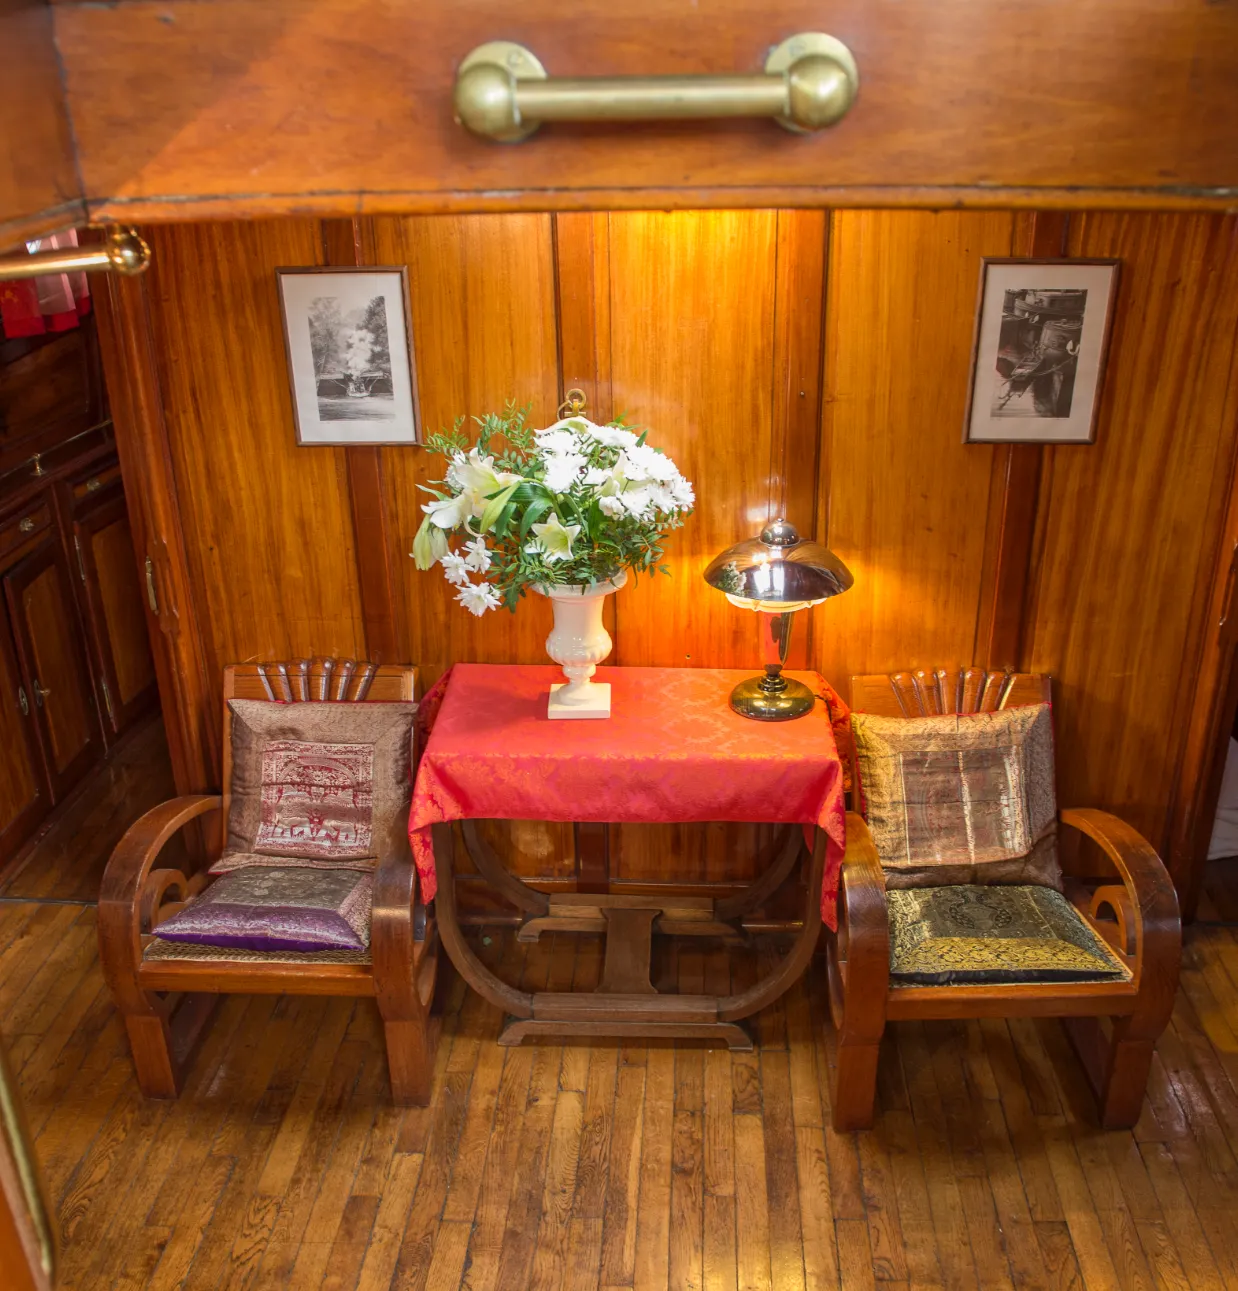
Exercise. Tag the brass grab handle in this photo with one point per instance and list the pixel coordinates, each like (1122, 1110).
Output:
(502, 91)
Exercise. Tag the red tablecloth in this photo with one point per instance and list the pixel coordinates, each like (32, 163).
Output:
(671, 751)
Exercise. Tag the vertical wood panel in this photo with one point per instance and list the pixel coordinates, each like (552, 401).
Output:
(903, 499)
(266, 523)
(1129, 526)
(692, 318)
(483, 303)
(692, 354)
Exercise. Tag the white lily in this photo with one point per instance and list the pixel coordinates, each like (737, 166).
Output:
(480, 481)
(429, 545)
(477, 598)
(448, 513)
(555, 538)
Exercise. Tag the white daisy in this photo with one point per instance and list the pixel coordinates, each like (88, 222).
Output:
(477, 598)
(478, 558)
(455, 568)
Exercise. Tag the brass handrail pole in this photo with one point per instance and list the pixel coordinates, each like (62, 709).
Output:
(123, 252)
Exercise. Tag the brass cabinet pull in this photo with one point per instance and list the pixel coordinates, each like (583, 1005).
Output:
(22, 701)
(502, 91)
(40, 692)
(26, 524)
(151, 598)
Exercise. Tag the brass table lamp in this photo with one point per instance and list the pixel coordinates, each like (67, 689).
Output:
(775, 575)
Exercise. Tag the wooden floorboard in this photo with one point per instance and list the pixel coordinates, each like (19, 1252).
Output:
(284, 1164)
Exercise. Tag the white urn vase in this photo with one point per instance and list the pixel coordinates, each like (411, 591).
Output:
(578, 643)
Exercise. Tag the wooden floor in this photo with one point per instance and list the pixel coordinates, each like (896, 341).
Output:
(589, 1165)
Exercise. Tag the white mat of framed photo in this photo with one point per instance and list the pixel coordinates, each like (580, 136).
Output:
(350, 355)
(1038, 363)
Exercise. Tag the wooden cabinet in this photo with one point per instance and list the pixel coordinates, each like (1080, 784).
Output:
(38, 594)
(112, 604)
(24, 798)
(75, 659)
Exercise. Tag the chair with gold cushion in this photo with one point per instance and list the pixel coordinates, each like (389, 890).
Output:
(950, 906)
(336, 864)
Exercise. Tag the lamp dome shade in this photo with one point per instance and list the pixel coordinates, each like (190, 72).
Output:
(779, 567)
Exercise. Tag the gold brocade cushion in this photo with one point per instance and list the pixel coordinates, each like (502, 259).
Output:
(952, 936)
(961, 798)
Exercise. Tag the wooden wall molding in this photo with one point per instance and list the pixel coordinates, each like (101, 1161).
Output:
(155, 520)
(1005, 580)
(351, 242)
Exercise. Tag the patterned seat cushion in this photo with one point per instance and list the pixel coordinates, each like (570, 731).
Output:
(317, 785)
(278, 908)
(961, 798)
(950, 936)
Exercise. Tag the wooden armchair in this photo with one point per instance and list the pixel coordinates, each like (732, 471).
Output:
(1137, 916)
(166, 1002)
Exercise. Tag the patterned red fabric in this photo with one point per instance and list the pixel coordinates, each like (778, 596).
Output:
(672, 751)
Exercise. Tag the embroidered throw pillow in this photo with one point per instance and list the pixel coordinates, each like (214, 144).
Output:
(317, 784)
(961, 798)
(277, 907)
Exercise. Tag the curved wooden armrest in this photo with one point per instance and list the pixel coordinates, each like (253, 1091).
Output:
(133, 856)
(122, 895)
(1154, 903)
(862, 882)
(859, 1005)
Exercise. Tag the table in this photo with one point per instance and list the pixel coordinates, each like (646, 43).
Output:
(672, 751)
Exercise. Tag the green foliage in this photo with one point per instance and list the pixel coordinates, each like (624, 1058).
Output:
(607, 538)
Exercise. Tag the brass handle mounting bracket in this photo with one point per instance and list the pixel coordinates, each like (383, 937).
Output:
(502, 91)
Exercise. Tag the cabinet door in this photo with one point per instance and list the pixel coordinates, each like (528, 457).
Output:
(24, 798)
(48, 640)
(114, 610)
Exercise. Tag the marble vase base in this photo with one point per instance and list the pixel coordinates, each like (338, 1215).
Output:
(595, 701)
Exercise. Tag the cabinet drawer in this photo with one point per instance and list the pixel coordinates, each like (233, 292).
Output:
(19, 529)
(1094, 102)
(100, 479)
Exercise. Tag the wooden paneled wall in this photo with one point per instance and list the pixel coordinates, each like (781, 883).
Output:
(790, 361)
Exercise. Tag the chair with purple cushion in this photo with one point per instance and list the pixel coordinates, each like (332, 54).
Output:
(298, 880)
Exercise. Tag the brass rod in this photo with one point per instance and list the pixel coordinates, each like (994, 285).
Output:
(503, 92)
(123, 252)
(650, 98)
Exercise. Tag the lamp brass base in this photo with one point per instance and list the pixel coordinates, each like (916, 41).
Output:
(780, 702)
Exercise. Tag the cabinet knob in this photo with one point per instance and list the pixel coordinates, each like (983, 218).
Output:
(25, 524)
(22, 702)
(40, 692)
(503, 92)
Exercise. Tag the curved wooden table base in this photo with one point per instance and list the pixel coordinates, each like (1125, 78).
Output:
(626, 1003)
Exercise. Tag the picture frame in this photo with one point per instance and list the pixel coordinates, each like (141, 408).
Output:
(351, 365)
(1039, 350)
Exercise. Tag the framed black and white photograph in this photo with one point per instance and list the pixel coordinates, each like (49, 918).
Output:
(350, 355)
(1042, 331)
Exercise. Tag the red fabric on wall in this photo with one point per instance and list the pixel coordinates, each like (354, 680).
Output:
(671, 751)
(49, 303)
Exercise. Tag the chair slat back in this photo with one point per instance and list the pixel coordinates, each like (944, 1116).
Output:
(929, 692)
(321, 679)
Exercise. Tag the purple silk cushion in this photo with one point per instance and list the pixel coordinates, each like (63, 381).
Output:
(277, 907)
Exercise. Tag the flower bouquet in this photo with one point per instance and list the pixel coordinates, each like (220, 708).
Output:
(565, 512)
